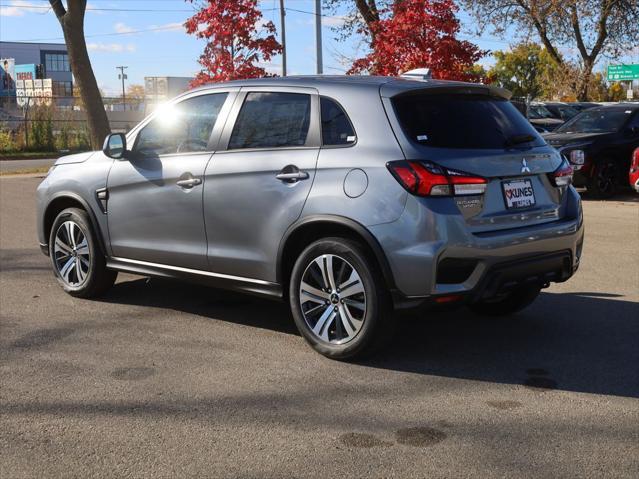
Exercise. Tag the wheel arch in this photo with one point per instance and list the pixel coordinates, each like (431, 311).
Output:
(309, 229)
(64, 200)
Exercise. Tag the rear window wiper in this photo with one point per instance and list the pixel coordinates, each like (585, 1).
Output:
(519, 139)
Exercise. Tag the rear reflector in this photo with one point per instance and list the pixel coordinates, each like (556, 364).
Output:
(448, 299)
(562, 176)
(424, 178)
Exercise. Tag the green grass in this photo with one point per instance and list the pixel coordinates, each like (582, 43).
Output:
(25, 171)
(26, 155)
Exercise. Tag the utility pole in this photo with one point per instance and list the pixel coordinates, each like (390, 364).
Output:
(318, 36)
(122, 76)
(283, 26)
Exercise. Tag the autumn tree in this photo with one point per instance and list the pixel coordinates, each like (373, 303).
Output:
(409, 34)
(592, 28)
(527, 70)
(71, 20)
(237, 40)
(135, 92)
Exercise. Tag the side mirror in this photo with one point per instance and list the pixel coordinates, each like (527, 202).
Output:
(115, 146)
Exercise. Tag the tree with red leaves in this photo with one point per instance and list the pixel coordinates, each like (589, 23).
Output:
(415, 34)
(237, 40)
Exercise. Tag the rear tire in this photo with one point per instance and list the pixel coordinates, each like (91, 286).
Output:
(512, 303)
(605, 180)
(339, 300)
(78, 263)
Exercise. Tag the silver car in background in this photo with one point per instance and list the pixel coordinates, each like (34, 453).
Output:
(348, 197)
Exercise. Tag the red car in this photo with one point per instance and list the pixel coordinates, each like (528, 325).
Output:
(633, 176)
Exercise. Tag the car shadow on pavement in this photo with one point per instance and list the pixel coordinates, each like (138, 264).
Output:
(203, 301)
(582, 342)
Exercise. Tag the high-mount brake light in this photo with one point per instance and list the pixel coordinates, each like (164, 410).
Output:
(425, 178)
(562, 176)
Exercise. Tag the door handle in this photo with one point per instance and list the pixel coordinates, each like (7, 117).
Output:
(291, 174)
(300, 175)
(189, 182)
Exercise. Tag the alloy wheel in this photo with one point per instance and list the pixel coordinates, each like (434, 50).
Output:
(332, 299)
(71, 253)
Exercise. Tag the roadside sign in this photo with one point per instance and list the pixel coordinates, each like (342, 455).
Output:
(623, 72)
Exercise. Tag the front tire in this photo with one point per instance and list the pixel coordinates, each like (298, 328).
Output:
(605, 179)
(78, 264)
(511, 303)
(339, 300)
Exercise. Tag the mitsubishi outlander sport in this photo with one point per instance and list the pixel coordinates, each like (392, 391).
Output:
(348, 197)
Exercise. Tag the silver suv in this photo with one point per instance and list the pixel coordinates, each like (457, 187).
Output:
(346, 196)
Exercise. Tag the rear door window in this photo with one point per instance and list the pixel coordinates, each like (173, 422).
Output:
(336, 127)
(463, 121)
(272, 120)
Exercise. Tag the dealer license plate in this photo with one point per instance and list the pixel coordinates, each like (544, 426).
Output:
(519, 193)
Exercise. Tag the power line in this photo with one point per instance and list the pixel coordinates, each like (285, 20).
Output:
(95, 9)
(114, 34)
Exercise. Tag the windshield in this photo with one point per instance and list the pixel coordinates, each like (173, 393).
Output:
(596, 121)
(567, 112)
(465, 121)
(537, 112)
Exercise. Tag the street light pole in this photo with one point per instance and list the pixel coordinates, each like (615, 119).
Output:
(122, 76)
(318, 36)
(283, 27)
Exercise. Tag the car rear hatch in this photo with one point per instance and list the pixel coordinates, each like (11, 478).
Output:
(468, 132)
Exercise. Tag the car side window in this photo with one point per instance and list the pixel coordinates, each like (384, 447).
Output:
(336, 127)
(182, 127)
(272, 120)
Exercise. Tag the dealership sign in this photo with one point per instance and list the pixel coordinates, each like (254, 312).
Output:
(25, 72)
(623, 72)
(34, 92)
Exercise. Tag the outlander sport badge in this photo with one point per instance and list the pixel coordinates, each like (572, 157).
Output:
(524, 166)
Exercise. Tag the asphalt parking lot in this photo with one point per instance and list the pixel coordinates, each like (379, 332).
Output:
(161, 379)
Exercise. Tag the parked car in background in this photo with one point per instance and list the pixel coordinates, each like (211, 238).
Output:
(633, 175)
(347, 197)
(583, 105)
(542, 119)
(561, 111)
(599, 143)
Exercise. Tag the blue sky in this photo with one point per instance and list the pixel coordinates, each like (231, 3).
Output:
(164, 49)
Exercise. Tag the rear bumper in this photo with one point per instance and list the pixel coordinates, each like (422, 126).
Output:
(538, 271)
(417, 244)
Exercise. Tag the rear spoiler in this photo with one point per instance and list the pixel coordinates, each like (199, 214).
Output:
(405, 86)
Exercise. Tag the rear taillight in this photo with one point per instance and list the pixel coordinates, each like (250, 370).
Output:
(424, 178)
(562, 176)
(577, 159)
(634, 166)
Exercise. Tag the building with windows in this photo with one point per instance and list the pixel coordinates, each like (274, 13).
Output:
(52, 56)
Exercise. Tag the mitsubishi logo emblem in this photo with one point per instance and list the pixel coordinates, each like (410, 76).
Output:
(524, 166)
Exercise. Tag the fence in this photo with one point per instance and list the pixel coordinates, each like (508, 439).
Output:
(50, 123)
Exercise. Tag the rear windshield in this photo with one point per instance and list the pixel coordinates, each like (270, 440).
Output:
(596, 121)
(464, 121)
(539, 112)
